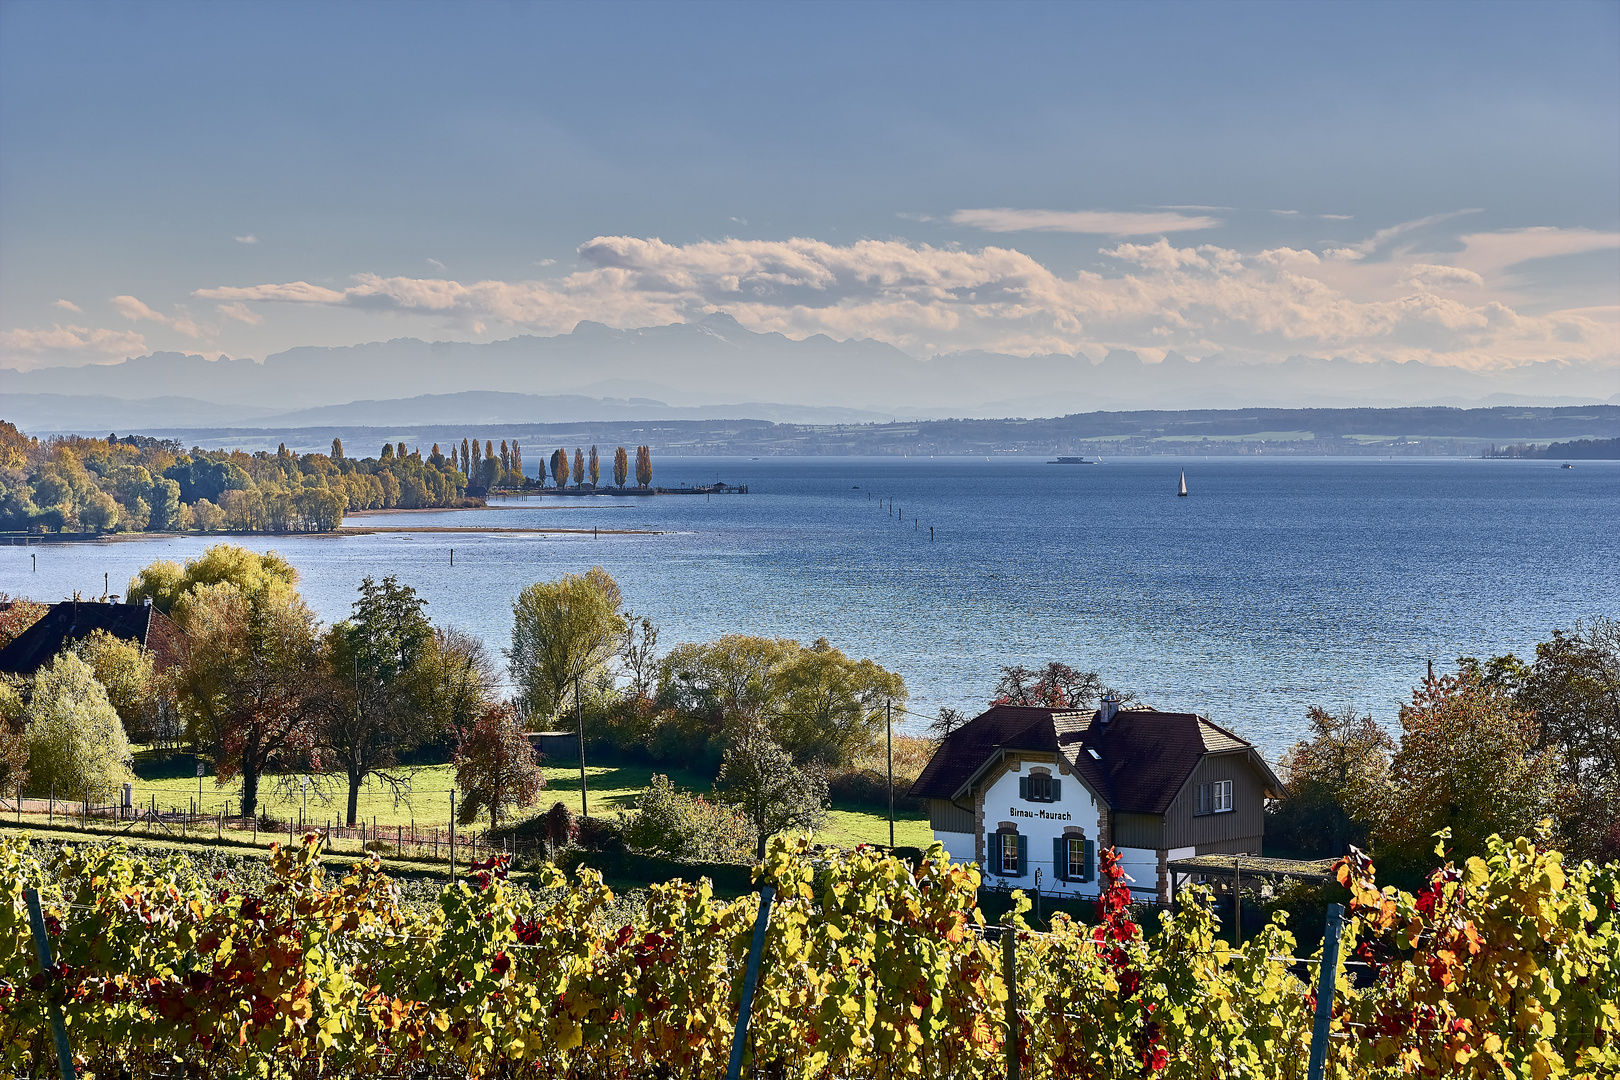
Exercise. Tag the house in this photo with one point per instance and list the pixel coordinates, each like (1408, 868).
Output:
(72, 621)
(1022, 790)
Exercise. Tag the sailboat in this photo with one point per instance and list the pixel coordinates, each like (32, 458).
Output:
(1182, 491)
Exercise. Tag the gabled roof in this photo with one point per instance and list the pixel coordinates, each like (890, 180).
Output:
(1137, 763)
(74, 620)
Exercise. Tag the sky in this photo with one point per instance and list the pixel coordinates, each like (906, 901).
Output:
(1435, 182)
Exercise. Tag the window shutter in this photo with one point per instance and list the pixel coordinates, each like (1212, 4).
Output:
(1023, 788)
(1060, 858)
(993, 850)
(1091, 861)
(1023, 856)
(1057, 789)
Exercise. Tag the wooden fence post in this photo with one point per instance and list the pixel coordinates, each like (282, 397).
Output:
(42, 952)
(1326, 983)
(1009, 972)
(745, 1006)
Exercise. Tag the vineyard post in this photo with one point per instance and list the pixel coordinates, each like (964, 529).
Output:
(42, 951)
(888, 713)
(1009, 972)
(745, 1005)
(579, 719)
(50, 814)
(452, 838)
(1326, 983)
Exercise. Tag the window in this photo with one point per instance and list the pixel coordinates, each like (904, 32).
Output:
(1009, 854)
(1077, 859)
(1215, 798)
(1039, 787)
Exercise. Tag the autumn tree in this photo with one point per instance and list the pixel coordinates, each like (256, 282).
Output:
(165, 582)
(466, 462)
(759, 779)
(517, 461)
(387, 452)
(1467, 761)
(337, 449)
(124, 669)
(17, 615)
(254, 683)
(621, 467)
(644, 466)
(1337, 783)
(562, 630)
(579, 467)
(477, 461)
(76, 744)
(496, 767)
(595, 466)
(399, 451)
(559, 468)
(377, 657)
(1055, 686)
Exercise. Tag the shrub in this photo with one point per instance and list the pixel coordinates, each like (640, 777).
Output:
(678, 823)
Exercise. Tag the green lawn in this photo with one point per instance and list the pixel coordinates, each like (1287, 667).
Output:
(427, 801)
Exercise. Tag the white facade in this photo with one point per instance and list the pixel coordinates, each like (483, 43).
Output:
(1038, 824)
(960, 846)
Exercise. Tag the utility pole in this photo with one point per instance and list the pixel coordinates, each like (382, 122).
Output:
(888, 712)
(579, 720)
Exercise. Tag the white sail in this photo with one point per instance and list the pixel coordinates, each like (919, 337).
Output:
(1183, 489)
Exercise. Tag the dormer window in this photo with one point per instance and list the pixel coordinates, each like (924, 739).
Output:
(1039, 787)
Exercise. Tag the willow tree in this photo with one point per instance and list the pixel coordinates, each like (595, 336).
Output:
(562, 630)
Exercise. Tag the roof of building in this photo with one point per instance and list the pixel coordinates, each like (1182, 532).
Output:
(1137, 762)
(74, 620)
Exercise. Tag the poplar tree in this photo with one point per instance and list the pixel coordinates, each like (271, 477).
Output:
(621, 467)
(489, 450)
(477, 456)
(466, 463)
(401, 450)
(579, 467)
(506, 459)
(517, 460)
(337, 449)
(387, 452)
(644, 466)
(596, 467)
(559, 467)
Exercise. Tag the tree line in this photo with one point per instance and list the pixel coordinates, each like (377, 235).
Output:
(265, 690)
(140, 484)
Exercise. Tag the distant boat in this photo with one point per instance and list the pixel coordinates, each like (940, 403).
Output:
(1070, 461)
(1566, 465)
(1182, 491)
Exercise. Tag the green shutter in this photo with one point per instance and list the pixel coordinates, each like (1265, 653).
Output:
(1023, 856)
(993, 851)
(1057, 790)
(1060, 857)
(1023, 788)
(1091, 861)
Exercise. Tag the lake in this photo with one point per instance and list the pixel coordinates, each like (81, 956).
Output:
(1277, 584)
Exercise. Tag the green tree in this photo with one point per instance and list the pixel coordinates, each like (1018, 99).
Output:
(124, 670)
(13, 734)
(621, 467)
(506, 460)
(1467, 761)
(76, 743)
(165, 582)
(165, 506)
(675, 822)
(99, 513)
(1338, 783)
(579, 467)
(466, 462)
(562, 630)
(387, 452)
(254, 683)
(829, 708)
(759, 779)
(496, 769)
(383, 706)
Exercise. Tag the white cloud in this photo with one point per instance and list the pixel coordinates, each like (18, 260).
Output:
(1100, 222)
(435, 262)
(240, 312)
(1384, 236)
(74, 339)
(248, 239)
(135, 311)
(67, 305)
(1204, 299)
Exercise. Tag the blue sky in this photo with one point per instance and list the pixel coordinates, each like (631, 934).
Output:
(1411, 181)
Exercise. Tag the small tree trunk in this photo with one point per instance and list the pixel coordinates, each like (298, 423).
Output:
(250, 791)
(355, 777)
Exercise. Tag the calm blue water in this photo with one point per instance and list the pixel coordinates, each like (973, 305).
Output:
(1276, 585)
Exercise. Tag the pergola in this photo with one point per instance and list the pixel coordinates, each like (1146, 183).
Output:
(1225, 873)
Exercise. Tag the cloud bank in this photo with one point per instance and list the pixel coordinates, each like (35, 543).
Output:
(1458, 309)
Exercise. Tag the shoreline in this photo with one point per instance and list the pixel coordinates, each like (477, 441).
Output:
(341, 530)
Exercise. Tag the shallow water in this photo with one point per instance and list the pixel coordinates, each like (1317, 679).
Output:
(1277, 584)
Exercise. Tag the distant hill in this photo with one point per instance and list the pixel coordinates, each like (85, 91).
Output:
(717, 366)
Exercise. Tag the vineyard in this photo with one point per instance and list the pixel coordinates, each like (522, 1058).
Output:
(1502, 966)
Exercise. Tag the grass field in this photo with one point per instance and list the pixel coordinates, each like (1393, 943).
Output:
(426, 800)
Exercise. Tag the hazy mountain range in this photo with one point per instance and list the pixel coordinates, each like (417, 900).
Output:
(715, 368)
